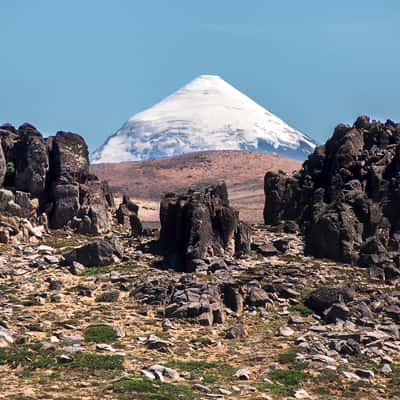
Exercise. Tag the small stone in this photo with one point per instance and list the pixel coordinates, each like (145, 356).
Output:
(48, 346)
(295, 320)
(202, 388)
(64, 359)
(154, 342)
(387, 359)
(105, 347)
(243, 374)
(4, 236)
(44, 249)
(77, 268)
(76, 348)
(206, 318)
(171, 374)
(236, 331)
(386, 369)
(323, 359)
(365, 373)
(57, 298)
(285, 331)
(168, 324)
(70, 340)
(6, 337)
(337, 312)
(148, 374)
(351, 376)
(301, 394)
(52, 259)
(318, 328)
(115, 276)
(267, 250)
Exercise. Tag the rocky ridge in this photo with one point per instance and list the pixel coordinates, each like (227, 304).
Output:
(199, 224)
(46, 183)
(346, 197)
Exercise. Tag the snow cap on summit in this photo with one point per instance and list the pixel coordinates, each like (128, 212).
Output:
(206, 114)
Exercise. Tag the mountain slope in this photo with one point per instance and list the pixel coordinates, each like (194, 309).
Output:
(243, 171)
(206, 114)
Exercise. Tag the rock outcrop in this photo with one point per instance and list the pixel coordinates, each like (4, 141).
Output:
(200, 224)
(48, 179)
(127, 215)
(346, 196)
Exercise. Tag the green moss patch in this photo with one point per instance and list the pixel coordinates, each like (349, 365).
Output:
(100, 334)
(145, 389)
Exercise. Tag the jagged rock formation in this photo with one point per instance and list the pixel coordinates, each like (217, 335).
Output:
(346, 196)
(205, 303)
(127, 215)
(200, 224)
(48, 179)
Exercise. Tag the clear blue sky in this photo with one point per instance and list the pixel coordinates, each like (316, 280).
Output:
(88, 65)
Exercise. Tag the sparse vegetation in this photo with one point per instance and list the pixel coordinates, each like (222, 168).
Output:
(109, 296)
(144, 389)
(285, 382)
(288, 356)
(100, 334)
(92, 361)
(209, 372)
(300, 308)
(30, 356)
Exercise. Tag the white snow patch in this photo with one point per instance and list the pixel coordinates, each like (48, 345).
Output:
(206, 114)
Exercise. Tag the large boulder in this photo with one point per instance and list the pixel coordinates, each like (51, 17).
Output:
(65, 204)
(69, 158)
(346, 197)
(127, 215)
(126, 209)
(323, 298)
(79, 198)
(99, 253)
(9, 137)
(94, 215)
(199, 224)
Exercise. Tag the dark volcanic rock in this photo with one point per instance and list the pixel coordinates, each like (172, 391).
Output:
(65, 205)
(32, 163)
(69, 158)
(52, 176)
(346, 196)
(200, 224)
(3, 166)
(98, 253)
(325, 297)
(136, 225)
(126, 209)
(127, 215)
(94, 213)
(242, 239)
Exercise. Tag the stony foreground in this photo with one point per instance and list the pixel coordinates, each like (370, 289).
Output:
(237, 329)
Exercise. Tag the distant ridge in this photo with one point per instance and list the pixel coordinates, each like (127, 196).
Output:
(206, 114)
(243, 171)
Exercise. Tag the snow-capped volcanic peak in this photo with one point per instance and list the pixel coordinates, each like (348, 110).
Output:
(206, 114)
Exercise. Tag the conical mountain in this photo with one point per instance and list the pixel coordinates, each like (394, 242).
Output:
(206, 114)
